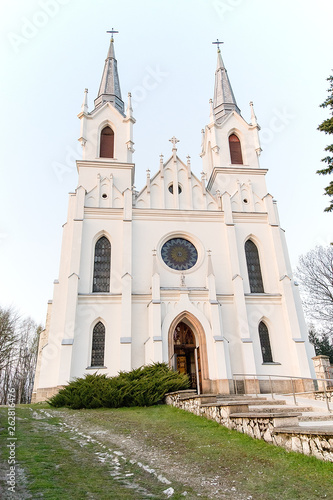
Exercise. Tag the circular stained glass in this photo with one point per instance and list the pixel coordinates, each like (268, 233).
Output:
(179, 254)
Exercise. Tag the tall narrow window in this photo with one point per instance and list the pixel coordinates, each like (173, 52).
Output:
(235, 150)
(98, 345)
(253, 267)
(265, 343)
(107, 143)
(102, 265)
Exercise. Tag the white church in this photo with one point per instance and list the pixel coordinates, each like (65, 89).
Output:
(189, 271)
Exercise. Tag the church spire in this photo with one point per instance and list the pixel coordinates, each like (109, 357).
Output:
(109, 89)
(224, 99)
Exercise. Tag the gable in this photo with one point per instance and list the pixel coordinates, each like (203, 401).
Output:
(174, 186)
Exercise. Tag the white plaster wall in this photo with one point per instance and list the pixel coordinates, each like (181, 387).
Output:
(259, 232)
(151, 235)
(95, 122)
(89, 171)
(157, 216)
(216, 151)
(93, 229)
(89, 311)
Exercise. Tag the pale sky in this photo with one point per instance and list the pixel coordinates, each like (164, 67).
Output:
(278, 54)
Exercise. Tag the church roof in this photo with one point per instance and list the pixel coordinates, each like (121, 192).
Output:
(224, 99)
(109, 89)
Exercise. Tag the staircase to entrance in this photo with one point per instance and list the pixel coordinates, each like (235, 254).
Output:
(305, 427)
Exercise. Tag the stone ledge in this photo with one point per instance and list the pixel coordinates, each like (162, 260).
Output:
(264, 415)
(185, 391)
(314, 431)
(282, 409)
(226, 403)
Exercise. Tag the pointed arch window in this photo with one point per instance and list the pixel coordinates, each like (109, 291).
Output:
(265, 344)
(102, 265)
(253, 267)
(98, 345)
(107, 143)
(235, 150)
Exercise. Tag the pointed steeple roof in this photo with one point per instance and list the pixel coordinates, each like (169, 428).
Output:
(109, 89)
(224, 99)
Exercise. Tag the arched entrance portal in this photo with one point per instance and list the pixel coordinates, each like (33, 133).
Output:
(186, 354)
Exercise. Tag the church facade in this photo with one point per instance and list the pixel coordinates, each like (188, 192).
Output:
(189, 271)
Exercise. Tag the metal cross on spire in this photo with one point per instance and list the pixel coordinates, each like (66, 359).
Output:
(112, 31)
(174, 141)
(218, 43)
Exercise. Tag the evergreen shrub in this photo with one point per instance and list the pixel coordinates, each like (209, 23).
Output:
(145, 386)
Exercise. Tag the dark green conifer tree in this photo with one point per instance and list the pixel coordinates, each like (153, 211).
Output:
(327, 127)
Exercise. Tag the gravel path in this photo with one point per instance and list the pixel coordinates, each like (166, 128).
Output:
(165, 466)
(121, 451)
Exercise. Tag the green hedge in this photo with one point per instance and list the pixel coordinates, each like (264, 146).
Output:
(145, 386)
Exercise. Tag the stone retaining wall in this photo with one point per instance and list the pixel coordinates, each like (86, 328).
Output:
(321, 396)
(43, 394)
(278, 429)
(319, 445)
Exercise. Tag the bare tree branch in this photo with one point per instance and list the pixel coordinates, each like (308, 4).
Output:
(8, 335)
(315, 273)
(18, 354)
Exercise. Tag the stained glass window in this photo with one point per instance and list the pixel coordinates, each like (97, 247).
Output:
(98, 344)
(102, 265)
(265, 343)
(253, 267)
(179, 254)
(183, 335)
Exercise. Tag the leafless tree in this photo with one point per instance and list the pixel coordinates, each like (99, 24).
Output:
(8, 334)
(18, 345)
(315, 273)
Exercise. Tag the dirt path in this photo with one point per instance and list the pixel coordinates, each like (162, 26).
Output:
(118, 449)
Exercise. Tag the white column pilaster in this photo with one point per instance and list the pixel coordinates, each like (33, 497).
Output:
(238, 289)
(222, 360)
(153, 346)
(68, 335)
(126, 285)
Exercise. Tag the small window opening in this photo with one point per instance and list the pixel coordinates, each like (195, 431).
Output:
(170, 188)
(253, 267)
(102, 265)
(265, 344)
(98, 345)
(235, 150)
(107, 143)
(104, 195)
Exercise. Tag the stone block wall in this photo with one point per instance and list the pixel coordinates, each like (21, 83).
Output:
(280, 430)
(321, 396)
(43, 394)
(312, 444)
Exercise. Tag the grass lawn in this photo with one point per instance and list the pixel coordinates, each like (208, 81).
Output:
(140, 453)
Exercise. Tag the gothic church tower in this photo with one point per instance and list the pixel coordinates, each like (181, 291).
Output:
(193, 272)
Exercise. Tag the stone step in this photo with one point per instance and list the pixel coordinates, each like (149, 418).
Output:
(265, 402)
(316, 416)
(188, 392)
(279, 408)
(300, 429)
(253, 414)
(226, 403)
(220, 399)
(317, 424)
(250, 402)
(232, 397)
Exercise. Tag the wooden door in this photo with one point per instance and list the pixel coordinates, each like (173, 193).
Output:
(181, 363)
